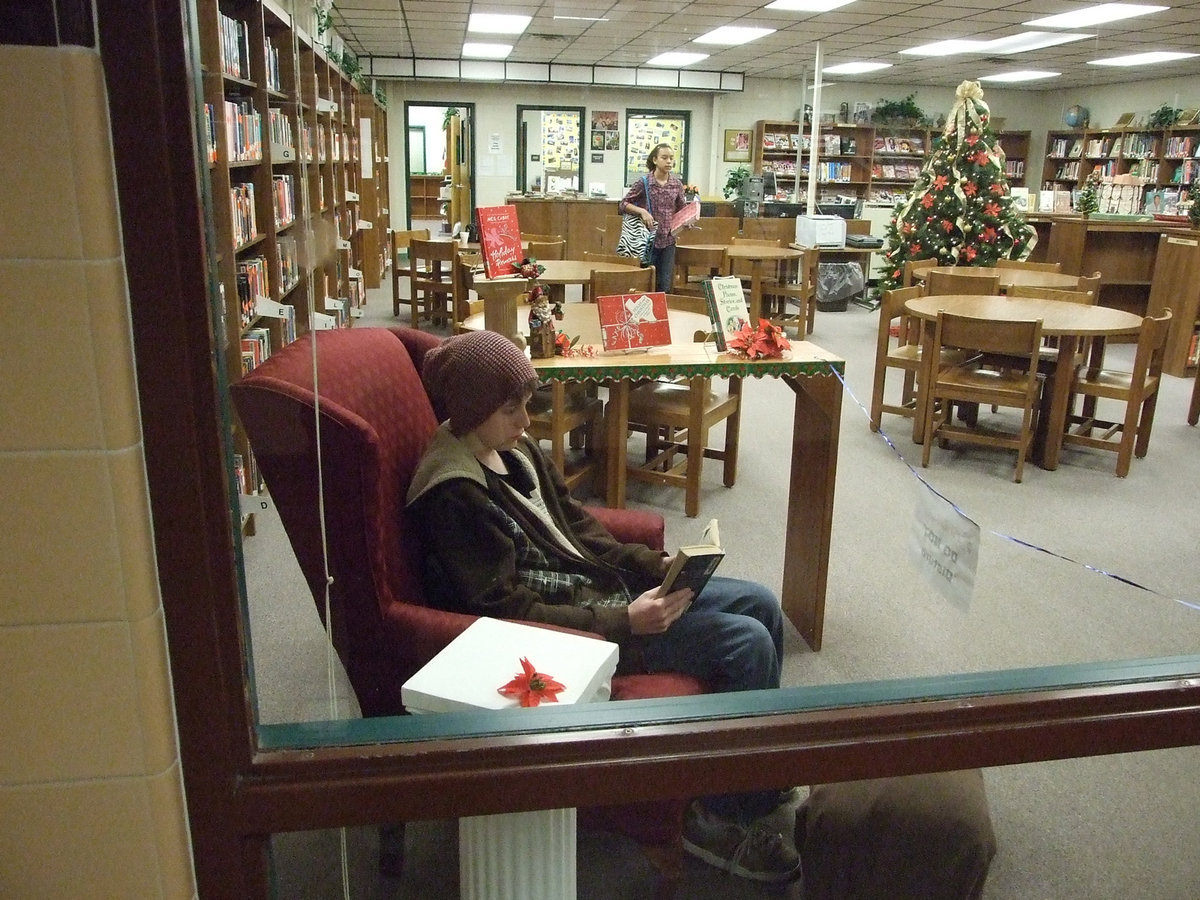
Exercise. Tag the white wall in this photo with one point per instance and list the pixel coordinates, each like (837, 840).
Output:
(763, 98)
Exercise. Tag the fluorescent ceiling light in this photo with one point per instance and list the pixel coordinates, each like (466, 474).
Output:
(1016, 43)
(813, 6)
(1141, 59)
(856, 68)
(676, 58)
(582, 18)
(1024, 75)
(732, 35)
(486, 51)
(1031, 40)
(497, 23)
(1095, 15)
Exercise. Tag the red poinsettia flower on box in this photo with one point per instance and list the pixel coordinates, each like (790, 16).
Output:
(531, 687)
(765, 342)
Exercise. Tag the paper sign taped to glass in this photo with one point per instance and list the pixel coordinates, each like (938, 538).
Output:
(944, 547)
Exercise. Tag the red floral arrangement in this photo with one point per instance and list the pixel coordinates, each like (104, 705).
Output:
(565, 345)
(532, 686)
(765, 342)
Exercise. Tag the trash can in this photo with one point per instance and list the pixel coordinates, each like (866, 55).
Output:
(837, 282)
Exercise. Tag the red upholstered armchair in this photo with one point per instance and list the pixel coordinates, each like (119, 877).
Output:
(376, 420)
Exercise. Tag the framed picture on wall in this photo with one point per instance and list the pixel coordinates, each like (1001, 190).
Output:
(737, 145)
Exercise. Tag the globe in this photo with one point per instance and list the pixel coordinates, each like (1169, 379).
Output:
(1076, 116)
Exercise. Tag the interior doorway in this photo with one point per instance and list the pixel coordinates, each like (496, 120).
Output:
(439, 167)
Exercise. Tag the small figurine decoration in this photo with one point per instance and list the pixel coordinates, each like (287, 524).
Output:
(542, 313)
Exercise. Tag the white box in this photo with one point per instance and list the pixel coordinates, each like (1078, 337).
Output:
(468, 673)
(821, 231)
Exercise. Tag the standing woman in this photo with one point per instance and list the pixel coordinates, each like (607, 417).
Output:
(666, 198)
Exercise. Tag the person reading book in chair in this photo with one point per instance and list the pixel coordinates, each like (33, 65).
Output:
(503, 537)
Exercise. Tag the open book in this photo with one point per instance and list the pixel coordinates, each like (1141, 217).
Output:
(695, 564)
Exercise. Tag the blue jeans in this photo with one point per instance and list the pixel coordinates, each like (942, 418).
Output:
(731, 637)
(663, 260)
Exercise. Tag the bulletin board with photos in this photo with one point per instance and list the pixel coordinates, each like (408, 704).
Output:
(560, 149)
(646, 129)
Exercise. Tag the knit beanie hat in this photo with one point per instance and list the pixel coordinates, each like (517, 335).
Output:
(470, 376)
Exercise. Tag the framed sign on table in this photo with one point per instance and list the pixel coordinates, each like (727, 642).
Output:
(737, 145)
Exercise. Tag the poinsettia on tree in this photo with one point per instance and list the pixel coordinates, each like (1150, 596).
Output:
(959, 210)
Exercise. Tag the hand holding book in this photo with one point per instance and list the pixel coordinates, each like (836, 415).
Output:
(696, 563)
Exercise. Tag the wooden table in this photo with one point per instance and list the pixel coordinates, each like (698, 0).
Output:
(1010, 277)
(815, 423)
(758, 256)
(1069, 322)
(816, 420)
(501, 295)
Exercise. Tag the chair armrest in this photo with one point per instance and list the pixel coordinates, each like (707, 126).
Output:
(632, 526)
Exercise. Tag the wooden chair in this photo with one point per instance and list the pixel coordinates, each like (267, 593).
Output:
(694, 264)
(898, 346)
(961, 283)
(798, 287)
(743, 268)
(912, 267)
(541, 250)
(625, 281)
(1028, 266)
(1090, 283)
(557, 413)
(677, 417)
(530, 238)
(1194, 406)
(968, 382)
(464, 307)
(431, 281)
(1138, 390)
(1048, 355)
(402, 268)
(598, 256)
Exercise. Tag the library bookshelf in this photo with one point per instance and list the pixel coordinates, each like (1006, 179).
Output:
(875, 163)
(297, 176)
(1161, 157)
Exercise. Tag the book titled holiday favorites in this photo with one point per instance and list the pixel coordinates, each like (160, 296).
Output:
(634, 321)
(726, 307)
(499, 239)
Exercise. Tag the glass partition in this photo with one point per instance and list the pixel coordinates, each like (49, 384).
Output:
(549, 142)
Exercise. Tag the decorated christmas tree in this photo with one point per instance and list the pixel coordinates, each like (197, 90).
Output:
(959, 210)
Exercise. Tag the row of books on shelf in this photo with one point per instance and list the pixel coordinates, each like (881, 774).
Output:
(288, 263)
(895, 171)
(245, 219)
(279, 130)
(1014, 168)
(245, 474)
(1066, 148)
(1067, 172)
(1180, 147)
(243, 131)
(1140, 146)
(210, 131)
(782, 167)
(899, 145)
(235, 46)
(783, 141)
(314, 143)
(256, 347)
(274, 76)
(283, 193)
(838, 145)
(1193, 354)
(252, 283)
(1186, 172)
(835, 171)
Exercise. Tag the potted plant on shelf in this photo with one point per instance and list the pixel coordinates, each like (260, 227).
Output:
(1165, 116)
(734, 179)
(898, 112)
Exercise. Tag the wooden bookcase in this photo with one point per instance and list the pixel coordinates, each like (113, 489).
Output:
(1016, 156)
(425, 197)
(877, 163)
(279, 122)
(1177, 287)
(1166, 157)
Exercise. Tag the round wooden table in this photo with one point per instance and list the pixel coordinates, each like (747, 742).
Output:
(1010, 277)
(758, 256)
(1069, 322)
(501, 295)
